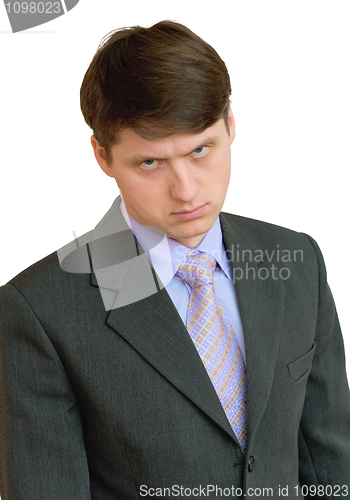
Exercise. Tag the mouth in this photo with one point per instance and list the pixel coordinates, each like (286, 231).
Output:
(190, 214)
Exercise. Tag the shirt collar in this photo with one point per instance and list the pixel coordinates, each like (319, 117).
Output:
(166, 254)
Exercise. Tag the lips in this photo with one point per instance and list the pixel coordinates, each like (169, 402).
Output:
(190, 214)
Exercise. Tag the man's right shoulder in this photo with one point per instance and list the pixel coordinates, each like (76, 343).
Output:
(57, 271)
(73, 260)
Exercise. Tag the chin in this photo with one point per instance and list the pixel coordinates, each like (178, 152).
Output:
(192, 232)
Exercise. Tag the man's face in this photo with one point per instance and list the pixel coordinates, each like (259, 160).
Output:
(178, 183)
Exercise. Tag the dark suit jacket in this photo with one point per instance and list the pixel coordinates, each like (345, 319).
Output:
(101, 400)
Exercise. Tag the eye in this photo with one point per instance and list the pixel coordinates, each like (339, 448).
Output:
(148, 164)
(201, 151)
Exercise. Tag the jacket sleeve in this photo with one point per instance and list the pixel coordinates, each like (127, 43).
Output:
(42, 453)
(324, 436)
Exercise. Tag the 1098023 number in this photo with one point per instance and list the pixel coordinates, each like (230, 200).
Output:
(34, 8)
(321, 491)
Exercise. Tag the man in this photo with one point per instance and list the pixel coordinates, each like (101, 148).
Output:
(175, 350)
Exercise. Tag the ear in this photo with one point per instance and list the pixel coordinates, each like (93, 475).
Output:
(100, 156)
(231, 124)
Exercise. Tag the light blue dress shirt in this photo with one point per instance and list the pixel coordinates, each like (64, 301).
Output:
(166, 255)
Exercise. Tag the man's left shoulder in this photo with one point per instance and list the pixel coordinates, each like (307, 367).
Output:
(272, 241)
(261, 230)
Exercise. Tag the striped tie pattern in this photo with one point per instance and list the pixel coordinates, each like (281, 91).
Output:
(216, 343)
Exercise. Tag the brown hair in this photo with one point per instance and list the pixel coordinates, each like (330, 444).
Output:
(157, 81)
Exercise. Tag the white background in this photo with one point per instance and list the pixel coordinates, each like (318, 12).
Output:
(289, 65)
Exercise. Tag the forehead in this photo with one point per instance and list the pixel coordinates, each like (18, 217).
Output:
(131, 147)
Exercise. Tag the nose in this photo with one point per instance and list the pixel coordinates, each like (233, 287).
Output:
(183, 182)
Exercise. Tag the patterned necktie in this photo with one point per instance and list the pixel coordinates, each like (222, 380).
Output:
(216, 343)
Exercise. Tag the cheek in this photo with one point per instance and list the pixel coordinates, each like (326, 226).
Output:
(129, 185)
(143, 196)
(220, 174)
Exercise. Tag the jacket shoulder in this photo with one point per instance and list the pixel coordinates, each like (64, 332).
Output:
(272, 240)
(264, 233)
(60, 270)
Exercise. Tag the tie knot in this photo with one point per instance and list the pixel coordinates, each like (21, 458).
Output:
(197, 269)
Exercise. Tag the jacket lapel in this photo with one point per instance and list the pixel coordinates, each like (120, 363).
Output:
(154, 328)
(261, 308)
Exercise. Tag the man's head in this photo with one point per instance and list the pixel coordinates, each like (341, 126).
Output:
(157, 100)
(157, 81)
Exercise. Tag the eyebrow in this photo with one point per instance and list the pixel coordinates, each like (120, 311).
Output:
(139, 158)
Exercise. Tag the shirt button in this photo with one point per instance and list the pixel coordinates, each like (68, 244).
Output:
(251, 464)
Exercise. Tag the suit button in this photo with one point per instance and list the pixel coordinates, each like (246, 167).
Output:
(251, 464)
